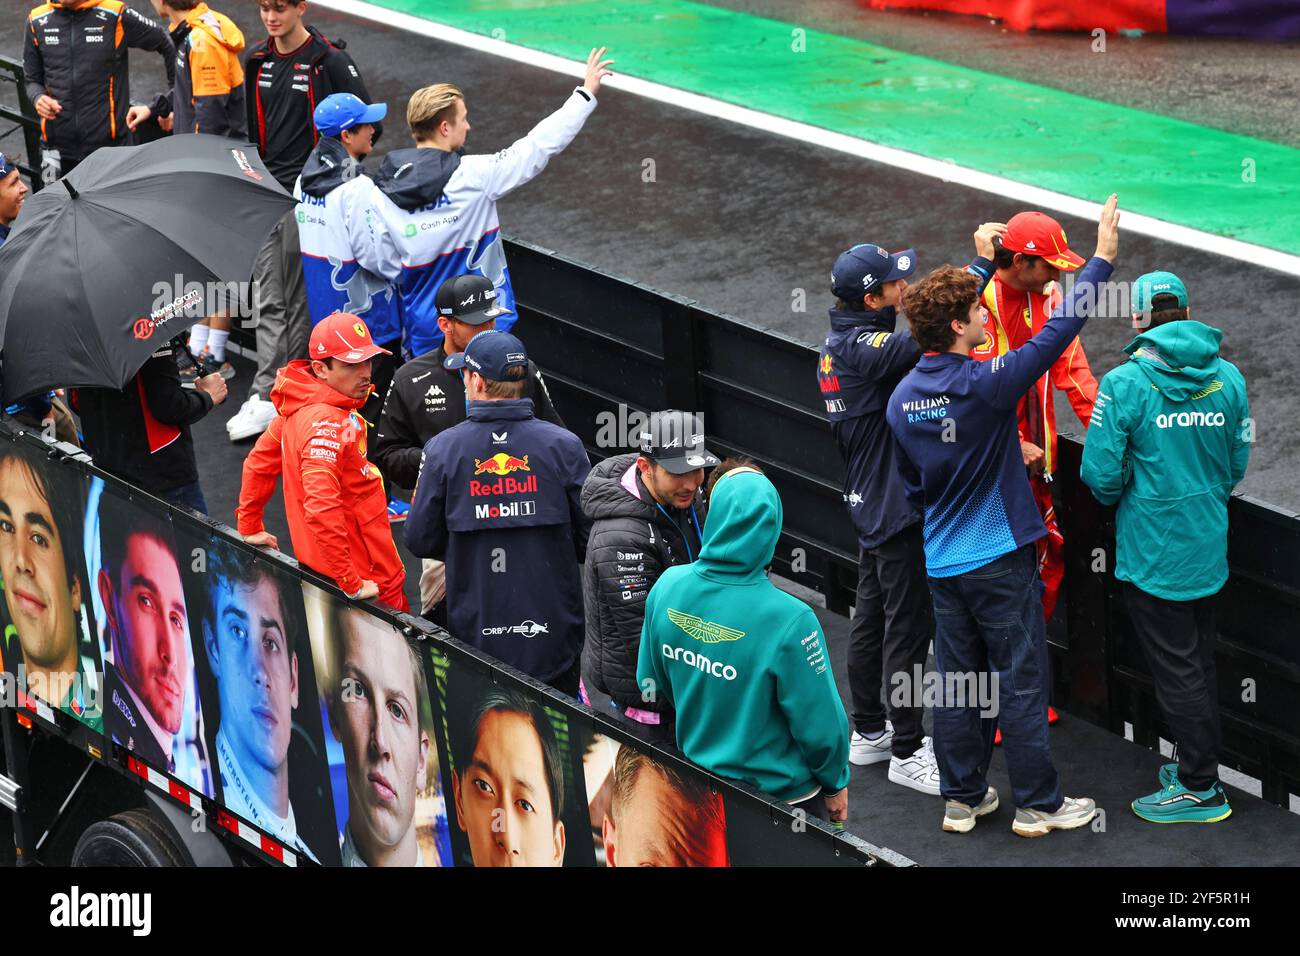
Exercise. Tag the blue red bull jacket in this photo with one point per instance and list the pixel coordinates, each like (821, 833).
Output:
(861, 362)
(499, 500)
(959, 440)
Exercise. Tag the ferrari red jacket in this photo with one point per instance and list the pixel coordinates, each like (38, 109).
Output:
(334, 498)
(1015, 317)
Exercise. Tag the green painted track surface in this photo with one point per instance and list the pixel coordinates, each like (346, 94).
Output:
(1166, 168)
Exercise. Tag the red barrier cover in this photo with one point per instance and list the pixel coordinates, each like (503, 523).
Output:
(1148, 15)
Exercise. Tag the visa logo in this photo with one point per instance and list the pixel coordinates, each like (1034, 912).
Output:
(313, 200)
(442, 201)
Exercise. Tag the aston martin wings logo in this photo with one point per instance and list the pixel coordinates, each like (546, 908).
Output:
(702, 630)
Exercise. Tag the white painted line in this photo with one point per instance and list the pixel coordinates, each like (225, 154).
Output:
(887, 155)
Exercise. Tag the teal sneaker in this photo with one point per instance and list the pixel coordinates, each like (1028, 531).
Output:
(1167, 774)
(1174, 803)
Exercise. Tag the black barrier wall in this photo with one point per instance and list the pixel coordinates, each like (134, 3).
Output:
(312, 729)
(610, 346)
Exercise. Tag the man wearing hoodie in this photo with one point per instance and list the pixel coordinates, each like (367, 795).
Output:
(285, 78)
(1169, 440)
(960, 458)
(338, 263)
(860, 363)
(498, 501)
(207, 97)
(647, 514)
(334, 498)
(436, 212)
(745, 665)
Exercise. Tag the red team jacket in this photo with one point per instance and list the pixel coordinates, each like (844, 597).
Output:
(334, 498)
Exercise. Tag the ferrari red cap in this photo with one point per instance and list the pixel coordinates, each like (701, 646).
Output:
(343, 336)
(1038, 234)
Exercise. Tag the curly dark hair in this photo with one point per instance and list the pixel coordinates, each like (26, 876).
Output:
(935, 302)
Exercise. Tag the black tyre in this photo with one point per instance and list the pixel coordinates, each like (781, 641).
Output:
(130, 838)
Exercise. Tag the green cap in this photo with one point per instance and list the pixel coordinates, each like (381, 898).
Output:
(1147, 287)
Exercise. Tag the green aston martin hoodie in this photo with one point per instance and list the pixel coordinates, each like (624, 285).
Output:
(743, 663)
(1169, 438)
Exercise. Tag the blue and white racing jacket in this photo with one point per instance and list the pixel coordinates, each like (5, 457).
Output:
(436, 215)
(340, 268)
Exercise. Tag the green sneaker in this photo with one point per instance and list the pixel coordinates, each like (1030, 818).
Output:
(1167, 774)
(1174, 803)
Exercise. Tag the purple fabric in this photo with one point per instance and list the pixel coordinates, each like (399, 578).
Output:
(1262, 19)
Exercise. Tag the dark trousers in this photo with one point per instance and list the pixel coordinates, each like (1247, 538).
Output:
(567, 683)
(890, 634)
(187, 496)
(990, 622)
(381, 376)
(1178, 640)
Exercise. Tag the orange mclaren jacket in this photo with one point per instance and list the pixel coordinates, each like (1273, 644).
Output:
(334, 498)
(1011, 324)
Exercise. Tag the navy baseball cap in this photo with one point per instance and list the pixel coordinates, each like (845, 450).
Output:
(865, 267)
(6, 166)
(491, 354)
(468, 298)
(340, 111)
(674, 440)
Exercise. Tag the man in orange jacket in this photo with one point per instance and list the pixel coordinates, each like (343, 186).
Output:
(333, 497)
(1019, 300)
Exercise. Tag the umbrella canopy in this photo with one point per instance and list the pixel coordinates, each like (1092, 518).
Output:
(117, 257)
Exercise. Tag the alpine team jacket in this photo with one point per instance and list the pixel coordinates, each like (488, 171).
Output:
(334, 498)
(960, 457)
(1070, 373)
(281, 91)
(79, 58)
(437, 215)
(208, 96)
(633, 540)
(499, 501)
(1168, 442)
(141, 434)
(861, 362)
(338, 263)
(425, 399)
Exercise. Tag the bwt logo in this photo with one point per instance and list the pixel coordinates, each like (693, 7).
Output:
(134, 910)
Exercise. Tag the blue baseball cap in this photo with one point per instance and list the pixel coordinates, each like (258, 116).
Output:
(6, 166)
(491, 354)
(340, 111)
(1147, 287)
(865, 267)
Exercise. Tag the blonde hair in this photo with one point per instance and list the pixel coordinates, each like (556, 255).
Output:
(429, 106)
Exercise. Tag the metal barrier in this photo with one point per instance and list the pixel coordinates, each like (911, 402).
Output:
(24, 114)
(606, 342)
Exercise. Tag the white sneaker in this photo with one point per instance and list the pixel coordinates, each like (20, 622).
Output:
(1073, 812)
(252, 419)
(864, 751)
(919, 771)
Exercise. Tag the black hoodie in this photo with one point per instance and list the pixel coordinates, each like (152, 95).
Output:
(416, 177)
(632, 542)
(328, 167)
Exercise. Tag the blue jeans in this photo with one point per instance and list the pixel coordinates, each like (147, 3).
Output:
(990, 622)
(188, 496)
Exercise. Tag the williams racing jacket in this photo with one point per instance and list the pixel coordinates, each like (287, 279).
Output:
(338, 264)
(498, 500)
(79, 58)
(437, 215)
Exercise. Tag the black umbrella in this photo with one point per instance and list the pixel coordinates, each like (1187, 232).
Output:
(119, 256)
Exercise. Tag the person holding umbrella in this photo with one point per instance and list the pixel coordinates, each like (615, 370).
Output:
(141, 433)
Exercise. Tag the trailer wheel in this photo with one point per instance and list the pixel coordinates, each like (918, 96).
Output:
(130, 838)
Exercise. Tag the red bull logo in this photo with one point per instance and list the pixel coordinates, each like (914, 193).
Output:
(500, 464)
(503, 486)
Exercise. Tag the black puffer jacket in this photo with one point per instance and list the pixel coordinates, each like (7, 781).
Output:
(631, 544)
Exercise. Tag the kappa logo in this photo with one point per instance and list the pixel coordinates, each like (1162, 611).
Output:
(433, 390)
(709, 632)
